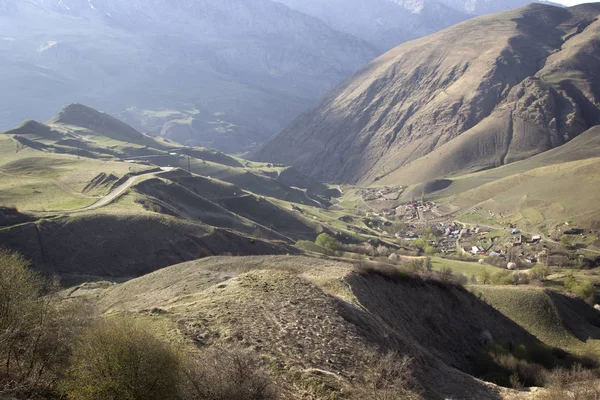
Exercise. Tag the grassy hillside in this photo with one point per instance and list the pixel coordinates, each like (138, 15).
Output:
(88, 212)
(556, 319)
(546, 196)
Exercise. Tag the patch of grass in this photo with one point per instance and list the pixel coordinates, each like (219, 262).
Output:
(534, 310)
(462, 267)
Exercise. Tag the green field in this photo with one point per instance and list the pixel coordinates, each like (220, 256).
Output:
(463, 267)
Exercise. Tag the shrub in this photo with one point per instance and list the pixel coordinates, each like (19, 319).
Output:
(586, 290)
(521, 278)
(420, 265)
(310, 246)
(227, 374)
(485, 277)
(540, 272)
(327, 242)
(34, 333)
(121, 359)
(388, 377)
(461, 279)
(576, 383)
(383, 251)
(446, 274)
(503, 278)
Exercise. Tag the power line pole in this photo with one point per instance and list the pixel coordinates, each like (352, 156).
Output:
(189, 168)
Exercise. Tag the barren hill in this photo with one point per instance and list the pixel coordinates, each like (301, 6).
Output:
(317, 319)
(481, 94)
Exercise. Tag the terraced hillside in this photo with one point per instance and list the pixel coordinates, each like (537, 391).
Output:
(482, 94)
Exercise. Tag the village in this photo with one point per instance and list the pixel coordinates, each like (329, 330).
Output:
(506, 247)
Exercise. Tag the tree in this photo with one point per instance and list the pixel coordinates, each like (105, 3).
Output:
(35, 333)
(327, 242)
(121, 359)
(485, 277)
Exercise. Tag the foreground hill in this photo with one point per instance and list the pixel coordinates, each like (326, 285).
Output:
(315, 321)
(482, 94)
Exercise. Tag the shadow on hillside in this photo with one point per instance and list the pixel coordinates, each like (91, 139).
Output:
(578, 317)
(446, 329)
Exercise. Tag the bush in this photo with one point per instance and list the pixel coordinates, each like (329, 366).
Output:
(461, 279)
(503, 278)
(420, 265)
(227, 374)
(387, 377)
(310, 246)
(521, 278)
(446, 274)
(586, 290)
(540, 272)
(383, 251)
(34, 333)
(327, 242)
(576, 383)
(121, 359)
(485, 277)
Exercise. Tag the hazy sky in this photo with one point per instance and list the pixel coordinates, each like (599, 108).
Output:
(573, 2)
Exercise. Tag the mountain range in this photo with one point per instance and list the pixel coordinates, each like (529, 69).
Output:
(481, 94)
(224, 74)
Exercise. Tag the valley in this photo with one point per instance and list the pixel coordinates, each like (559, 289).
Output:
(183, 237)
(427, 230)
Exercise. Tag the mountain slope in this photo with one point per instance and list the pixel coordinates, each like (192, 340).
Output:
(484, 93)
(226, 74)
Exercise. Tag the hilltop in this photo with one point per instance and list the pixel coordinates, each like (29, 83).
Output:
(443, 103)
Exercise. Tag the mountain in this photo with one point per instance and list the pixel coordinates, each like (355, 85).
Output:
(388, 23)
(484, 93)
(226, 74)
